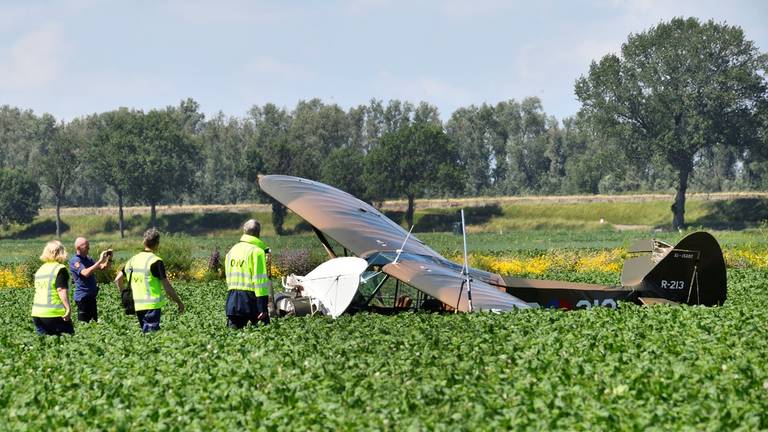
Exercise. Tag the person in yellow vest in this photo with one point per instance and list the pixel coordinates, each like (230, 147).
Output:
(50, 307)
(145, 272)
(247, 279)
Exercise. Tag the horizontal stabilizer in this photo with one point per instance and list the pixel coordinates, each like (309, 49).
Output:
(641, 246)
(650, 301)
(635, 269)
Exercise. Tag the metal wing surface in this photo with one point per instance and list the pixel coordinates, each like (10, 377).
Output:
(356, 225)
(448, 286)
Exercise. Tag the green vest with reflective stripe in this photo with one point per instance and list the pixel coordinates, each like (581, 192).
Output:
(47, 303)
(148, 292)
(246, 266)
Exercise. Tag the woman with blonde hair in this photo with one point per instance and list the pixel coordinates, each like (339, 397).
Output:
(50, 309)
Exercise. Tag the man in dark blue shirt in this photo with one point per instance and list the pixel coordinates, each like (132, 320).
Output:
(83, 268)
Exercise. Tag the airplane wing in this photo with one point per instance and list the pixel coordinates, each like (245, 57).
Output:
(448, 286)
(365, 232)
(356, 225)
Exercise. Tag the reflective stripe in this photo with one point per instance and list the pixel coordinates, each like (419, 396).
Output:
(146, 279)
(52, 282)
(247, 275)
(149, 300)
(48, 306)
(241, 284)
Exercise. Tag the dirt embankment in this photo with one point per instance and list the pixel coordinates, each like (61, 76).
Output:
(565, 199)
(401, 205)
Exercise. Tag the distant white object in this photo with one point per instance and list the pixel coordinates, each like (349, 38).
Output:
(602, 221)
(332, 285)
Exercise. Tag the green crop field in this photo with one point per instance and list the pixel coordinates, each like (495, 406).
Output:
(635, 368)
(665, 368)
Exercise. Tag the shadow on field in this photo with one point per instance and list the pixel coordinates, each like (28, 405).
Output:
(301, 227)
(43, 228)
(736, 214)
(199, 223)
(395, 215)
(188, 223)
(112, 225)
(445, 221)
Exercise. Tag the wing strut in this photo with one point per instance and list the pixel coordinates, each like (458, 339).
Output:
(324, 241)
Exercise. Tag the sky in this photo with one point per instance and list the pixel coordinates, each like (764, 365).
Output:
(72, 58)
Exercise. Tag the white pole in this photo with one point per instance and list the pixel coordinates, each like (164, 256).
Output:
(465, 271)
(399, 251)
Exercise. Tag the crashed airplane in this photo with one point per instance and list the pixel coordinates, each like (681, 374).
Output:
(382, 253)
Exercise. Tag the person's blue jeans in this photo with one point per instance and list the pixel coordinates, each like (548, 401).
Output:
(149, 320)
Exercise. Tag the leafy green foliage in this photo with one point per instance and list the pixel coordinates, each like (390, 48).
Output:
(666, 368)
(412, 162)
(19, 197)
(166, 158)
(58, 163)
(176, 252)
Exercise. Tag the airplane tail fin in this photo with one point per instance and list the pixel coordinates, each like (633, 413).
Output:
(691, 272)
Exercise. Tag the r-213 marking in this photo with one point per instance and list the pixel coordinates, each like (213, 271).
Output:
(673, 285)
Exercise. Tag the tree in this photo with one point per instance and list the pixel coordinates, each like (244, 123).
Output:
(471, 135)
(526, 145)
(19, 197)
(269, 152)
(221, 179)
(113, 152)
(677, 89)
(167, 161)
(18, 137)
(57, 164)
(414, 161)
(316, 130)
(342, 168)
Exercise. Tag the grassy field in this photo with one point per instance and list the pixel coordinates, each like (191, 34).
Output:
(492, 226)
(657, 368)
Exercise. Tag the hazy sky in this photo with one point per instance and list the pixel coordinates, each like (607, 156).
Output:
(75, 57)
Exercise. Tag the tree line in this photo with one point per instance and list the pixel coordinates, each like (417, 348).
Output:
(683, 106)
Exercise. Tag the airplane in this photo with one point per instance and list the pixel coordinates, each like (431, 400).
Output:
(379, 255)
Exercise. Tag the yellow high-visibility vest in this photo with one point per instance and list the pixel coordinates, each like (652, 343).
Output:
(246, 266)
(46, 303)
(148, 292)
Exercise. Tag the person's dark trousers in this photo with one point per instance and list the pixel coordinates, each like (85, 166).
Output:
(86, 309)
(260, 314)
(149, 320)
(238, 322)
(53, 326)
(262, 309)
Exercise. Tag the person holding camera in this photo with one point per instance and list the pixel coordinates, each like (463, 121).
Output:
(83, 269)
